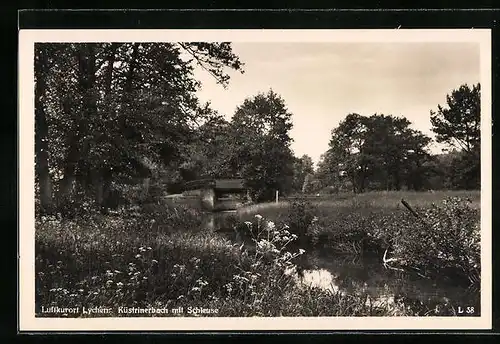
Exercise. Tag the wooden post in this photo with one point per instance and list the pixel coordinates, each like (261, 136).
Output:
(277, 197)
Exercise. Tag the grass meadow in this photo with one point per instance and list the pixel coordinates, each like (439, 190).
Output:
(159, 256)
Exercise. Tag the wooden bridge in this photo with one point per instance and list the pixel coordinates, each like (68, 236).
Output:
(217, 194)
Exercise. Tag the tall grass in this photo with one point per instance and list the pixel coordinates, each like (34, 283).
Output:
(155, 256)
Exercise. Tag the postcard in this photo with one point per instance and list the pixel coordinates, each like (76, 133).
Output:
(209, 180)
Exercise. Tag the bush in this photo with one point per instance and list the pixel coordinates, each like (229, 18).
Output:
(301, 215)
(447, 240)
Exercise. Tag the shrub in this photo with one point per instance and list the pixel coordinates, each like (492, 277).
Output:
(301, 215)
(447, 240)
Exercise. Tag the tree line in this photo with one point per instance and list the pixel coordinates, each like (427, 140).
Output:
(110, 114)
(382, 152)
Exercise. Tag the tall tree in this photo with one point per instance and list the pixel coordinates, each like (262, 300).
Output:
(119, 110)
(260, 129)
(347, 153)
(42, 68)
(458, 125)
(379, 152)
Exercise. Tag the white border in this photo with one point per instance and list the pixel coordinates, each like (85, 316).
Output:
(27, 320)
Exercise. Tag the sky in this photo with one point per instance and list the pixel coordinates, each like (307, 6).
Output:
(321, 83)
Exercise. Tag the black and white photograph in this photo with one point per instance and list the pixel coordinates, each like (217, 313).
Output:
(255, 179)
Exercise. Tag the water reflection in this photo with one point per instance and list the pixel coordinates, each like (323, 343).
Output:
(367, 277)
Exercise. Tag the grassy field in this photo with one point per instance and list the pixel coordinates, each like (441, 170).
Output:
(153, 257)
(375, 199)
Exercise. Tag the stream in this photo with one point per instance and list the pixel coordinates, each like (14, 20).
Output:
(367, 276)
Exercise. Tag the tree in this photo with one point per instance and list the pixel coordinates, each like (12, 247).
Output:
(396, 151)
(116, 111)
(311, 184)
(346, 150)
(378, 152)
(302, 167)
(209, 153)
(329, 174)
(458, 125)
(262, 155)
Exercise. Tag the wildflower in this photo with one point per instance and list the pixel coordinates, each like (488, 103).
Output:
(229, 287)
(270, 225)
(248, 223)
(195, 289)
(119, 284)
(259, 217)
(149, 248)
(301, 251)
(154, 261)
(180, 297)
(109, 282)
(138, 256)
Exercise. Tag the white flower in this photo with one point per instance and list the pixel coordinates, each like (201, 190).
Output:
(301, 251)
(259, 217)
(248, 223)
